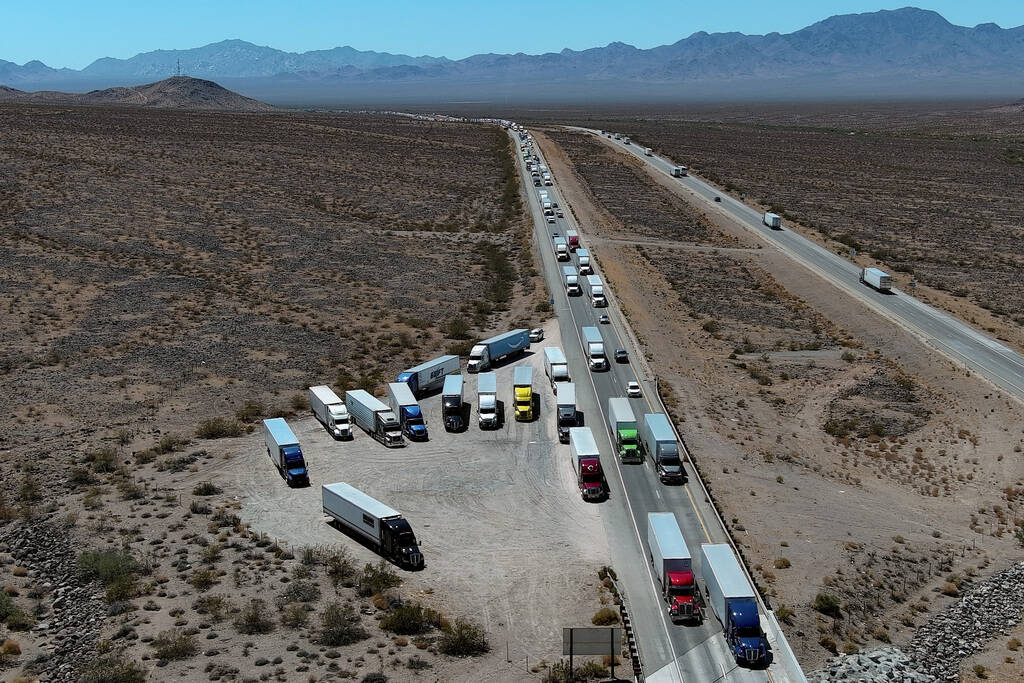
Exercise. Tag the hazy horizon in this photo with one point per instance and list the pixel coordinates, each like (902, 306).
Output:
(449, 29)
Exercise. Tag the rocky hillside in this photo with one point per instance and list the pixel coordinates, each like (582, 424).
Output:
(179, 92)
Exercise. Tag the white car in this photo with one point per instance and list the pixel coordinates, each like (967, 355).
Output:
(633, 390)
(536, 334)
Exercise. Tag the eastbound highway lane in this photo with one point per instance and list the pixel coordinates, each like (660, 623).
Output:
(669, 652)
(964, 345)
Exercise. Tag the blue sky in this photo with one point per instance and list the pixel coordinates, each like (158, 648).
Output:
(73, 33)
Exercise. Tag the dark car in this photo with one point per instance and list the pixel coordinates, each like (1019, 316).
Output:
(718, 199)
(621, 356)
(604, 319)
(536, 182)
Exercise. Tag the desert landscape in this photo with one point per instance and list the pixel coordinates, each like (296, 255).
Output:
(169, 279)
(869, 481)
(926, 191)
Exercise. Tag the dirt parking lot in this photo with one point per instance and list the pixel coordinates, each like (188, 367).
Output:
(505, 533)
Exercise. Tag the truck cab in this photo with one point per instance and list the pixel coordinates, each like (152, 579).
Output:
(744, 635)
(398, 541)
(340, 425)
(680, 592)
(413, 425)
(626, 444)
(523, 393)
(567, 419)
(295, 466)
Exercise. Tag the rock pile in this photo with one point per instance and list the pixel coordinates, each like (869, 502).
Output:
(883, 664)
(989, 609)
(70, 627)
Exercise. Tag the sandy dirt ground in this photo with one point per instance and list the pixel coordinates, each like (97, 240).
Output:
(879, 521)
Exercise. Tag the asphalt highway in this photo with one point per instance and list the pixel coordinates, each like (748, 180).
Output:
(669, 652)
(959, 342)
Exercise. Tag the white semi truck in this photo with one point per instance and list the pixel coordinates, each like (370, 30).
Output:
(383, 526)
(330, 411)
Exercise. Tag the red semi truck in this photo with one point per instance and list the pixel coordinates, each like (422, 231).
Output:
(586, 462)
(673, 565)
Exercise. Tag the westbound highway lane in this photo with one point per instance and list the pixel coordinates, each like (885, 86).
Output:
(961, 343)
(669, 652)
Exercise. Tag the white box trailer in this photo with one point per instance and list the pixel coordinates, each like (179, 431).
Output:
(648, 152)
(330, 411)
(679, 171)
(593, 347)
(555, 366)
(773, 221)
(375, 417)
(572, 280)
(381, 525)
(879, 279)
(596, 289)
(487, 399)
(583, 260)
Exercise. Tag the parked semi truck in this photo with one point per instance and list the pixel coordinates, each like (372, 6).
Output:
(285, 452)
(659, 442)
(330, 411)
(555, 366)
(522, 390)
(487, 400)
(451, 404)
(410, 417)
(733, 602)
(583, 260)
(374, 417)
(568, 417)
(622, 422)
(586, 461)
(572, 281)
(674, 567)
(573, 237)
(679, 172)
(879, 279)
(593, 347)
(596, 290)
(383, 526)
(561, 249)
(773, 220)
(429, 376)
(490, 351)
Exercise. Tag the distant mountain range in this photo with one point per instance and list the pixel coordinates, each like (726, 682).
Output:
(908, 52)
(177, 92)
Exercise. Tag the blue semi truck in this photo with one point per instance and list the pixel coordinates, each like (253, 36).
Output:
(285, 452)
(734, 603)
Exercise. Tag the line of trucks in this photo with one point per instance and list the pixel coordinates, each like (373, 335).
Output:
(726, 588)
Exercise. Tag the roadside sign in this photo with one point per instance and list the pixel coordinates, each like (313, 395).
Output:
(592, 641)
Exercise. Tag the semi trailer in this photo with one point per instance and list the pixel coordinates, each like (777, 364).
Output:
(659, 442)
(596, 290)
(734, 603)
(374, 417)
(451, 404)
(330, 411)
(593, 348)
(555, 366)
(572, 281)
(384, 527)
(285, 452)
(586, 462)
(674, 567)
(878, 279)
(429, 376)
(410, 417)
(490, 351)
(568, 417)
(623, 425)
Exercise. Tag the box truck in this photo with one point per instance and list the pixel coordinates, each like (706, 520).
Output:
(586, 462)
(489, 351)
(410, 417)
(583, 261)
(284, 451)
(572, 281)
(487, 400)
(773, 220)
(427, 377)
(573, 238)
(622, 422)
(733, 602)
(561, 249)
(674, 567)
(555, 366)
(596, 290)
(374, 417)
(452, 411)
(659, 442)
(522, 388)
(879, 279)
(330, 411)
(385, 528)
(567, 414)
(593, 348)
